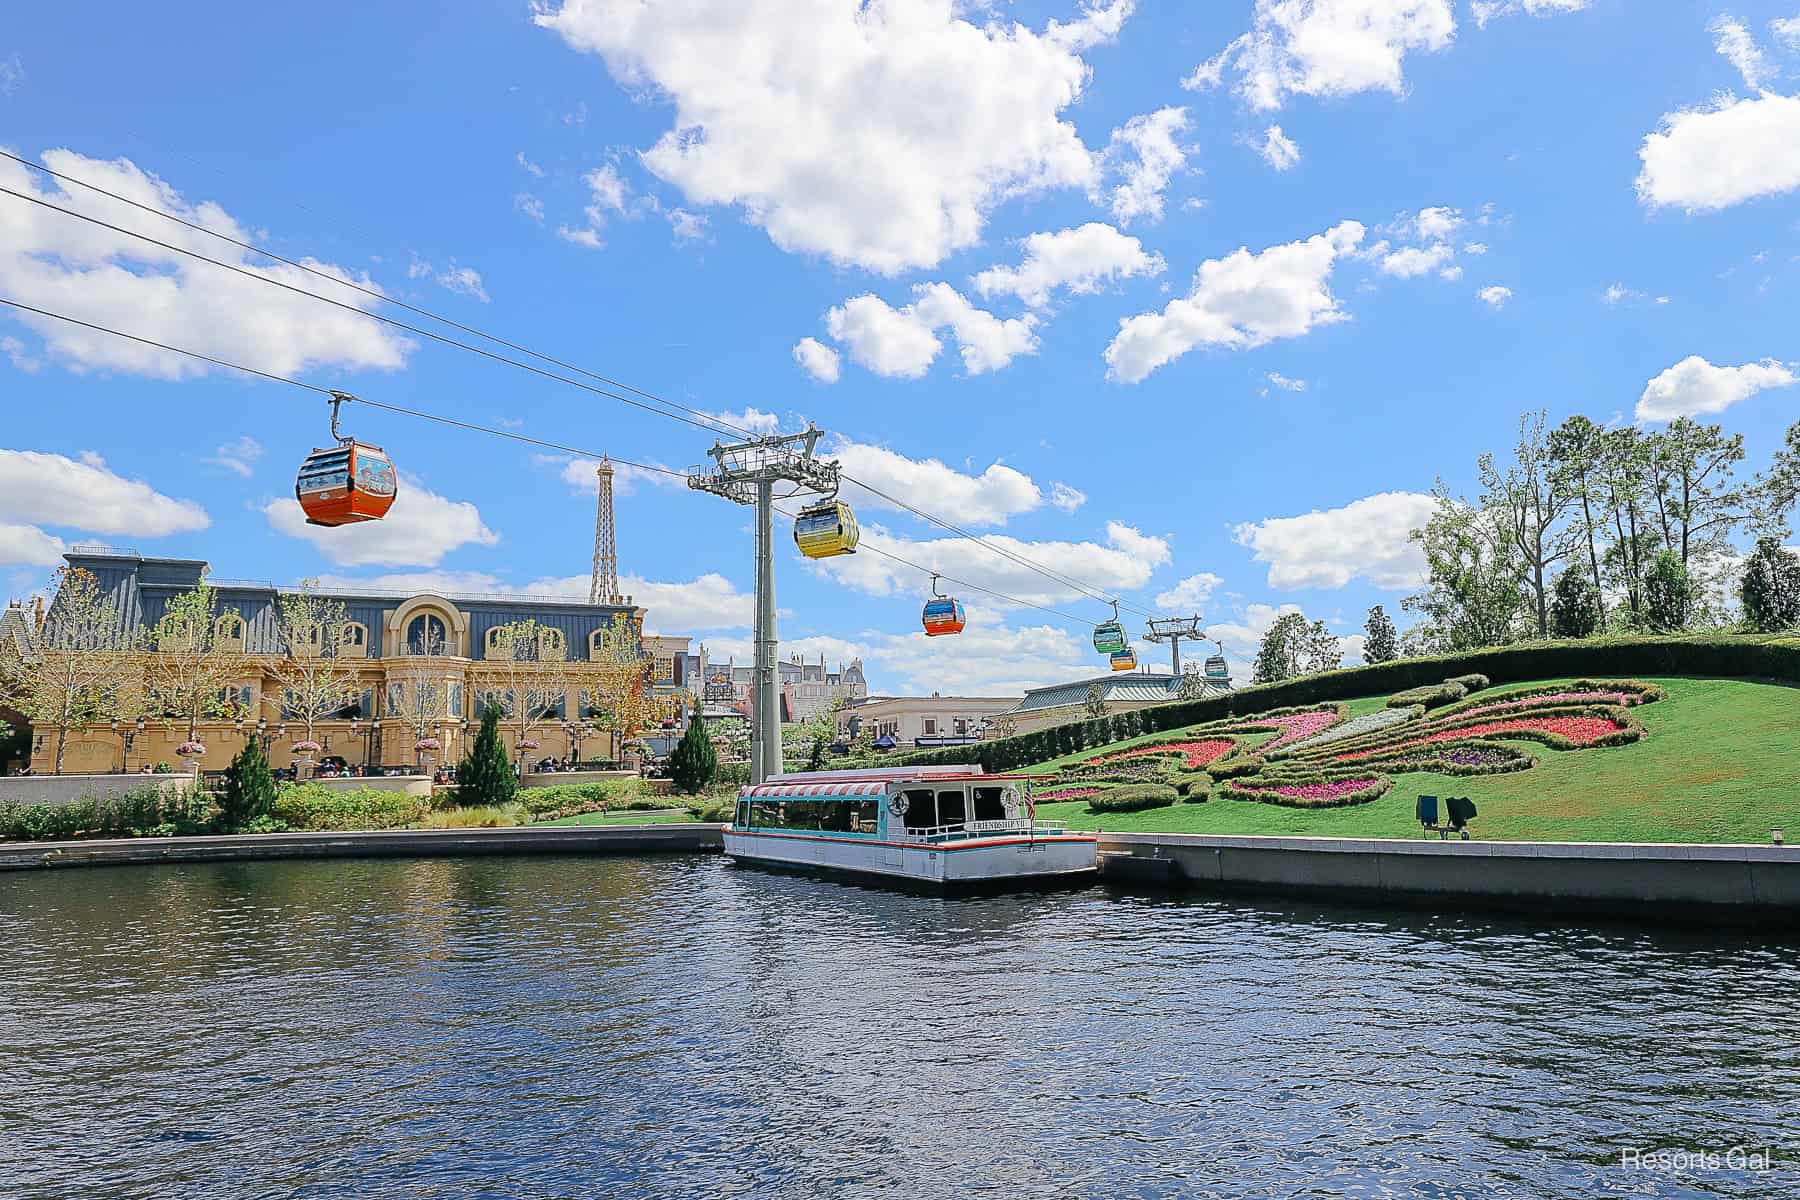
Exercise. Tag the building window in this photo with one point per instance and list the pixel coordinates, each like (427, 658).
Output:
(355, 637)
(230, 630)
(551, 647)
(493, 639)
(930, 727)
(425, 634)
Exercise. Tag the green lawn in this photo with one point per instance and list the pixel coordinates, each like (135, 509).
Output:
(644, 816)
(1720, 763)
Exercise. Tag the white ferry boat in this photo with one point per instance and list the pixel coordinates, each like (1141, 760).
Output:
(938, 825)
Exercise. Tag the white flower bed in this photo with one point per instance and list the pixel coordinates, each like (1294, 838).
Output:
(1381, 718)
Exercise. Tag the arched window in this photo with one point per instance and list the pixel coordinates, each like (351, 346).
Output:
(356, 637)
(551, 645)
(229, 629)
(425, 634)
(494, 634)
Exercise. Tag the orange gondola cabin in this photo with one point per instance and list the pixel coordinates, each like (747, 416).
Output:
(347, 483)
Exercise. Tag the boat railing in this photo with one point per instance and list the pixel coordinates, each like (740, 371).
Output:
(964, 830)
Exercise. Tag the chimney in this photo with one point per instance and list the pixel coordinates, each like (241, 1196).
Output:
(37, 621)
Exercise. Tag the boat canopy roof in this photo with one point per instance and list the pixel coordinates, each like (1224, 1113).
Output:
(845, 790)
(957, 771)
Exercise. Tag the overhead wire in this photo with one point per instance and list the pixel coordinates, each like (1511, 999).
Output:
(704, 421)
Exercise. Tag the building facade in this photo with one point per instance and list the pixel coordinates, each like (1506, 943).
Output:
(422, 664)
(921, 722)
(806, 689)
(1060, 703)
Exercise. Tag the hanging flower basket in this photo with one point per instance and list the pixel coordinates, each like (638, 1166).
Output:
(527, 744)
(426, 744)
(307, 747)
(190, 750)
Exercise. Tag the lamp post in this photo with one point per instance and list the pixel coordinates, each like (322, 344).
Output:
(572, 730)
(130, 729)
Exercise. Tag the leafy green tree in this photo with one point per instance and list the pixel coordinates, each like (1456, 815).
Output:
(1770, 588)
(1575, 611)
(1381, 642)
(1322, 650)
(485, 775)
(1094, 703)
(1777, 488)
(1283, 653)
(693, 763)
(249, 790)
(1623, 474)
(1475, 592)
(1668, 594)
(1577, 452)
(1698, 505)
(1532, 498)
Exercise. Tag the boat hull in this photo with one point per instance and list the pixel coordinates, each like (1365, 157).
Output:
(974, 861)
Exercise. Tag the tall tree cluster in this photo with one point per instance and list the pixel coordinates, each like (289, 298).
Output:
(1583, 528)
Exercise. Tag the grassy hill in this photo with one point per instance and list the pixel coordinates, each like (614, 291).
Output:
(1718, 760)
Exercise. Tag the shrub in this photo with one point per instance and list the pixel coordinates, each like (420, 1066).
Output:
(137, 813)
(1471, 683)
(1669, 594)
(485, 776)
(1434, 695)
(1575, 609)
(715, 809)
(737, 774)
(693, 762)
(1192, 786)
(249, 791)
(569, 799)
(311, 806)
(1133, 798)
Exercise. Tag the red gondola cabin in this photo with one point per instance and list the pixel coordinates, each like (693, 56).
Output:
(345, 484)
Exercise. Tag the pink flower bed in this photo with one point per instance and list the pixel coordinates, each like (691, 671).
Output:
(1193, 754)
(1072, 793)
(1582, 731)
(1295, 726)
(1549, 699)
(1330, 790)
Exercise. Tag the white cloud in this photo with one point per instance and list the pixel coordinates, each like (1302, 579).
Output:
(1327, 48)
(1786, 31)
(903, 342)
(1239, 301)
(989, 498)
(1436, 224)
(753, 420)
(1082, 260)
(239, 457)
(709, 602)
(1494, 295)
(530, 167)
(1694, 387)
(1278, 149)
(1191, 593)
(1145, 152)
(27, 545)
(464, 281)
(1486, 10)
(419, 530)
(1709, 158)
(1733, 41)
(1412, 261)
(608, 196)
(19, 356)
(1067, 498)
(581, 474)
(878, 136)
(530, 205)
(1475, 248)
(1328, 548)
(817, 359)
(686, 226)
(1278, 380)
(51, 489)
(1124, 563)
(68, 266)
(12, 75)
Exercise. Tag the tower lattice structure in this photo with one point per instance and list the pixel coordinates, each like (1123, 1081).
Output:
(605, 586)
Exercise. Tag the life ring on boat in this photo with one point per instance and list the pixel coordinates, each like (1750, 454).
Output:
(897, 806)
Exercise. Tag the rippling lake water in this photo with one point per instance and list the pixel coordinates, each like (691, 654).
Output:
(681, 1027)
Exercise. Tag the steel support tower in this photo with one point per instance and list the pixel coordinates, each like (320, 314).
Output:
(1173, 630)
(605, 587)
(749, 473)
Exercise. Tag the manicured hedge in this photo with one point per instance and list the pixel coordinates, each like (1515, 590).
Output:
(1434, 695)
(1471, 683)
(1133, 798)
(1743, 657)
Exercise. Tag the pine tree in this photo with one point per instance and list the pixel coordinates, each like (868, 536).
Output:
(249, 790)
(1381, 643)
(1668, 594)
(693, 763)
(1575, 607)
(1771, 587)
(485, 775)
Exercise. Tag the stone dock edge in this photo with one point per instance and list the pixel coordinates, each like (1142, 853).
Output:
(1702, 883)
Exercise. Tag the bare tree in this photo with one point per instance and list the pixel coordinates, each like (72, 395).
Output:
(1624, 477)
(1533, 497)
(525, 671)
(616, 681)
(82, 665)
(420, 687)
(196, 652)
(317, 679)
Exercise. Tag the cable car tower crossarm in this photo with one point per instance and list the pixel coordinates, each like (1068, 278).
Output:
(1173, 630)
(748, 473)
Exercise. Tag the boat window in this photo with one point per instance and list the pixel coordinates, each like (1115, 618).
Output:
(921, 810)
(989, 806)
(743, 814)
(953, 808)
(821, 816)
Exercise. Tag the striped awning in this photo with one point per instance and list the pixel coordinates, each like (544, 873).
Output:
(815, 791)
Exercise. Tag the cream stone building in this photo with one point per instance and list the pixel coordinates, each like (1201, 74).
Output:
(921, 722)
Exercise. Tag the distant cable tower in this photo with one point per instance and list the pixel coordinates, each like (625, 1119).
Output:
(605, 587)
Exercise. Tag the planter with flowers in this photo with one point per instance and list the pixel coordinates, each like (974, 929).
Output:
(190, 753)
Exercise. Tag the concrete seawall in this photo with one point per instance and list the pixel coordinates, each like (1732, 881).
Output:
(1733, 883)
(396, 843)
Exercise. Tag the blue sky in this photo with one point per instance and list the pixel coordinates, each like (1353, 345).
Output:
(1193, 301)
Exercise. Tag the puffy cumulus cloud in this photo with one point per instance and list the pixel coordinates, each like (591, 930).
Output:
(1694, 387)
(1326, 48)
(1079, 260)
(1278, 149)
(1733, 41)
(989, 498)
(817, 359)
(239, 457)
(1239, 301)
(1494, 295)
(1435, 224)
(29, 546)
(419, 530)
(1409, 262)
(1124, 563)
(1067, 498)
(1712, 157)
(1786, 31)
(1486, 10)
(903, 343)
(753, 420)
(1191, 593)
(84, 493)
(1146, 153)
(582, 474)
(699, 605)
(1366, 538)
(879, 136)
(66, 266)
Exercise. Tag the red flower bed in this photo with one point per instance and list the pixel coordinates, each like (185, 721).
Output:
(1579, 731)
(1193, 754)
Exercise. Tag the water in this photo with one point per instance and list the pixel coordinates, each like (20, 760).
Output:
(681, 1027)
